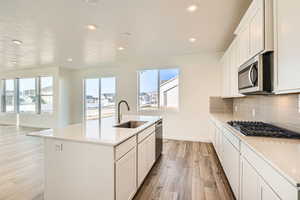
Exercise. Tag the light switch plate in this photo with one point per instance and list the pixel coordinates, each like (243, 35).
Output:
(253, 112)
(235, 108)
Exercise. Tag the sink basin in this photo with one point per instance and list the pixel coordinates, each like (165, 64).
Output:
(130, 124)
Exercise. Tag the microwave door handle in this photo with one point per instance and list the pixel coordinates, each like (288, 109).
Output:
(250, 76)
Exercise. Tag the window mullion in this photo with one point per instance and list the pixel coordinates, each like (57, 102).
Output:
(16, 95)
(158, 90)
(84, 99)
(4, 96)
(100, 109)
(38, 95)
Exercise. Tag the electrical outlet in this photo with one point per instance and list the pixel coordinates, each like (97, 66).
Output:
(253, 112)
(235, 108)
(58, 147)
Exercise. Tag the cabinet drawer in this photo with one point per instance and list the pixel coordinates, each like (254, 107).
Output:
(142, 135)
(125, 147)
(232, 139)
(280, 185)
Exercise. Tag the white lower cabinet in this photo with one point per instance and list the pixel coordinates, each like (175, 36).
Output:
(249, 182)
(249, 175)
(253, 186)
(126, 176)
(146, 157)
(266, 193)
(231, 165)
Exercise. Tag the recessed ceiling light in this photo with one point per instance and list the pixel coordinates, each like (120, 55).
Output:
(192, 40)
(192, 8)
(121, 48)
(69, 59)
(18, 42)
(91, 27)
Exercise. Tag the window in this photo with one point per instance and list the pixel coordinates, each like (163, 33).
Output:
(148, 94)
(158, 88)
(100, 97)
(108, 97)
(9, 95)
(46, 94)
(92, 98)
(27, 95)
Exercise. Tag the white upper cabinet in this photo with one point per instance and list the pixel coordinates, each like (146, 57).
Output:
(287, 48)
(256, 28)
(255, 31)
(244, 45)
(254, 35)
(230, 65)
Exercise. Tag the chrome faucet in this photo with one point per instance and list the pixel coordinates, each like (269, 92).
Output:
(119, 110)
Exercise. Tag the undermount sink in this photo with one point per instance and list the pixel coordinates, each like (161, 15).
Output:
(130, 124)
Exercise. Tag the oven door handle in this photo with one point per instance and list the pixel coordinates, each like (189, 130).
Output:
(250, 76)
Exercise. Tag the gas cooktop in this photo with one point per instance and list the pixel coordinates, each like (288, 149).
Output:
(263, 130)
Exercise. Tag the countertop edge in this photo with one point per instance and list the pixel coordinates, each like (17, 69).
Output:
(104, 143)
(239, 135)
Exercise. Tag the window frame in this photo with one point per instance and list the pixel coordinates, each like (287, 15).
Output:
(16, 81)
(3, 98)
(40, 95)
(158, 107)
(36, 111)
(99, 91)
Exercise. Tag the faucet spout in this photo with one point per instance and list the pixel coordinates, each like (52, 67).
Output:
(119, 109)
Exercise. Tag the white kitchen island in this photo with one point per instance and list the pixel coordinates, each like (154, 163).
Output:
(97, 161)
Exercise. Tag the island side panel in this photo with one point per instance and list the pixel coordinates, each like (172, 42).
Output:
(78, 171)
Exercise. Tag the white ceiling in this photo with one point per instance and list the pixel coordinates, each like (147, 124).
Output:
(54, 30)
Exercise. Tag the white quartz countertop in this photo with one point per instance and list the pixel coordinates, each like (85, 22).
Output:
(98, 131)
(282, 154)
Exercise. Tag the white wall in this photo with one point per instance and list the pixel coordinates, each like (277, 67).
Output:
(199, 78)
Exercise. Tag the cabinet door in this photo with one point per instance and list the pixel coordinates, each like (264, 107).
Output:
(142, 161)
(126, 176)
(288, 44)
(257, 30)
(219, 144)
(151, 151)
(234, 69)
(266, 193)
(244, 44)
(249, 182)
(231, 165)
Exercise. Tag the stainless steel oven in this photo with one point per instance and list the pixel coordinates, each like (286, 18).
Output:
(256, 76)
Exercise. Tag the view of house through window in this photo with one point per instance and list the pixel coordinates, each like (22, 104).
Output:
(46, 94)
(9, 95)
(108, 96)
(33, 95)
(27, 95)
(100, 97)
(148, 94)
(158, 88)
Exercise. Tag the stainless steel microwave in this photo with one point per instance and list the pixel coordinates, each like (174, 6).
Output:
(256, 75)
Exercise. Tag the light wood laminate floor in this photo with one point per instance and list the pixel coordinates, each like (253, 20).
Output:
(185, 171)
(21, 165)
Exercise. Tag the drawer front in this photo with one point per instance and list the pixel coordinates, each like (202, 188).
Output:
(232, 139)
(125, 147)
(142, 135)
(280, 185)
